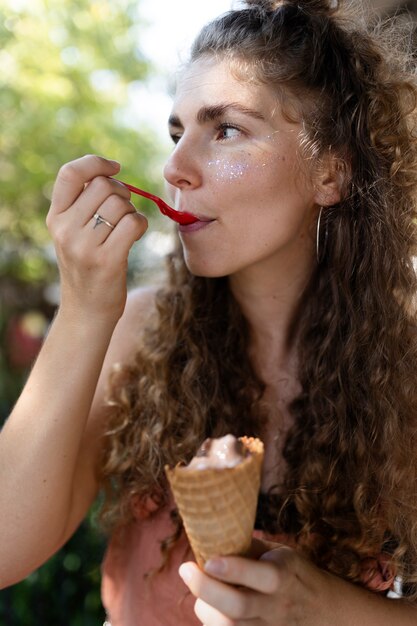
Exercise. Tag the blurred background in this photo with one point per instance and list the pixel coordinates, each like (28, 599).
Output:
(79, 77)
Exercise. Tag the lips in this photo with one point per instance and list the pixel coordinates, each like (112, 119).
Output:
(185, 217)
(196, 217)
(194, 226)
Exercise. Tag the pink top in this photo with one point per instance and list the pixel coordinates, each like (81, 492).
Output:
(132, 600)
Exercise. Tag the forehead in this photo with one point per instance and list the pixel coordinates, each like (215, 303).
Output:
(208, 81)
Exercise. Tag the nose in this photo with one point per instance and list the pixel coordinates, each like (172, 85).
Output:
(181, 169)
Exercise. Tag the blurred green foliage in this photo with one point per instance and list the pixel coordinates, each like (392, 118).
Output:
(66, 68)
(64, 592)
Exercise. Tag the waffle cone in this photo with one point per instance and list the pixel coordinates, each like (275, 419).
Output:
(218, 506)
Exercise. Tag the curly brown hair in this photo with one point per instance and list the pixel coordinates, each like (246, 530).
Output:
(350, 488)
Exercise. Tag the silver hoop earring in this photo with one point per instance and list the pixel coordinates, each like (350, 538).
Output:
(320, 252)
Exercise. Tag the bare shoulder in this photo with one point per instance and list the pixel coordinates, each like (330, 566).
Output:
(139, 309)
(140, 305)
(142, 298)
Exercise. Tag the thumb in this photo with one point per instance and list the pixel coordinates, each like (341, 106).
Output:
(259, 547)
(284, 557)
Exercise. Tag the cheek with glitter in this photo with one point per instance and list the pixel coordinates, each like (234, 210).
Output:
(227, 170)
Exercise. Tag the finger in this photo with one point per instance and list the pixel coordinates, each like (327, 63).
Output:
(68, 233)
(129, 229)
(106, 218)
(95, 194)
(210, 616)
(106, 199)
(230, 601)
(258, 547)
(73, 176)
(261, 575)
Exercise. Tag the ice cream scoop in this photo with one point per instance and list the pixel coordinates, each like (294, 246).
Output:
(219, 453)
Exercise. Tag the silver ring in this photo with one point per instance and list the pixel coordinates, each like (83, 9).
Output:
(101, 220)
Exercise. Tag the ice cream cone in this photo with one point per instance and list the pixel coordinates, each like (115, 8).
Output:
(218, 506)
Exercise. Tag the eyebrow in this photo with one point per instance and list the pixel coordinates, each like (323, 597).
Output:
(212, 113)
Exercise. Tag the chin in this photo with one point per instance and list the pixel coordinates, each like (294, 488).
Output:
(204, 270)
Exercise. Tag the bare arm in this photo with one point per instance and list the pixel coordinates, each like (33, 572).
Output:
(47, 451)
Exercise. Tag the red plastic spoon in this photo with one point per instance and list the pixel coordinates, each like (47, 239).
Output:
(181, 217)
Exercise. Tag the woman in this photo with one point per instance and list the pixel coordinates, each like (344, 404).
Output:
(288, 314)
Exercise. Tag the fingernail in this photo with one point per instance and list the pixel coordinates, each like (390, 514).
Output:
(215, 566)
(185, 573)
(115, 163)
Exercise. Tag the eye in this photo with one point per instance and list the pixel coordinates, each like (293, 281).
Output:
(175, 137)
(228, 131)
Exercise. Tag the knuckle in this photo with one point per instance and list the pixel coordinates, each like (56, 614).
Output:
(90, 158)
(136, 221)
(69, 172)
(101, 185)
(116, 202)
(61, 235)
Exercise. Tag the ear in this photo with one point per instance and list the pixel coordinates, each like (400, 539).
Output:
(330, 180)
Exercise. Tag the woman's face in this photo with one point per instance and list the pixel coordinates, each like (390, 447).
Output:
(237, 166)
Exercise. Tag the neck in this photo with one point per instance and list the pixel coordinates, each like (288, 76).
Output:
(269, 301)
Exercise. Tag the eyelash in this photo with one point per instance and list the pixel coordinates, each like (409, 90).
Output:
(175, 138)
(225, 126)
(221, 127)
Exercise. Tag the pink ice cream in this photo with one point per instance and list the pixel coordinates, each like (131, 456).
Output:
(220, 453)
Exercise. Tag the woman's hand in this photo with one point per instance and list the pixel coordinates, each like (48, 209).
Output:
(280, 589)
(92, 253)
